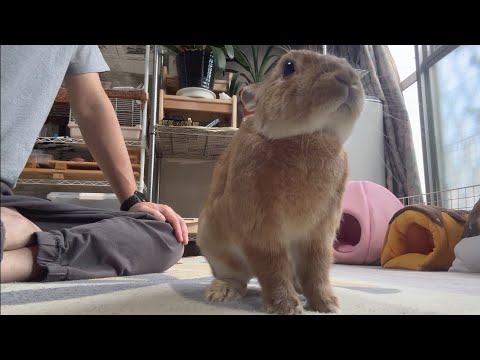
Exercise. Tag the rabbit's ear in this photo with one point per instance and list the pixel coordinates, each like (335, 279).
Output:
(248, 97)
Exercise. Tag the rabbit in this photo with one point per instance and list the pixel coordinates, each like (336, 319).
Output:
(274, 203)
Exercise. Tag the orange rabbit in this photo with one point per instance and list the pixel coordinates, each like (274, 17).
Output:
(274, 205)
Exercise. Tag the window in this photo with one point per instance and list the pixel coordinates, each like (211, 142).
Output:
(449, 80)
(442, 95)
(455, 93)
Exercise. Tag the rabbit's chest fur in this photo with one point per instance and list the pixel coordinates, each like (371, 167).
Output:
(296, 182)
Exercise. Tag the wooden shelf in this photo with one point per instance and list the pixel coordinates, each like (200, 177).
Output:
(191, 107)
(173, 102)
(73, 170)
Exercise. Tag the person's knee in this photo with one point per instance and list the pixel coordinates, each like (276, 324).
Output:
(173, 254)
(20, 265)
(17, 230)
(170, 251)
(140, 246)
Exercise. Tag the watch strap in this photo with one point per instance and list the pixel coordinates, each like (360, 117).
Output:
(136, 198)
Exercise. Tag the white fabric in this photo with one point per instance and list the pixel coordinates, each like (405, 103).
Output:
(467, 255)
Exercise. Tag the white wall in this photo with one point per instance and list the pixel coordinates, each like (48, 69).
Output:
(365, 146)
(184, 184)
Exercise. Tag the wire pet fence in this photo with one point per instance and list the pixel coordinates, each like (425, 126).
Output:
(457, 199)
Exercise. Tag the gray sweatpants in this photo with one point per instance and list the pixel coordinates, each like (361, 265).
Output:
(78, 242)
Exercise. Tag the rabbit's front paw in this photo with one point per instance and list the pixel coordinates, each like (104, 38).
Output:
(221, 291)
(325, 302)
(286, 305)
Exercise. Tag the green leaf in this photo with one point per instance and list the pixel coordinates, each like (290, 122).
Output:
(234, 85)
(230, 51)
(255, 62)
(242, 59)
(266, 59)
(236, 88)
(247, 79)
(219, 57)
(267, 66)
(235, 77)
(272, 65)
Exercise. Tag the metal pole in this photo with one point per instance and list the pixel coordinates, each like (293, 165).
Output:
(153, 123)
(143, 143)
(146, 78)
(158, 185)
(156, 191)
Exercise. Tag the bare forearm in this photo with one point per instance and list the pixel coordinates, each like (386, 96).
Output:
(100, 129)
(103, 136)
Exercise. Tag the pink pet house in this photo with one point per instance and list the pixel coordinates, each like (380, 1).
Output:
(367, 210)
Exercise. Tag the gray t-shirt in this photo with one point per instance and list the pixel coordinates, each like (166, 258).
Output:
(31, 76)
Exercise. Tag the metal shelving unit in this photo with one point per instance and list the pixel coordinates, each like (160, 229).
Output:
(54, 182)
(69, 140)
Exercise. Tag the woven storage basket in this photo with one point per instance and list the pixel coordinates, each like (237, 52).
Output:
(193, 142)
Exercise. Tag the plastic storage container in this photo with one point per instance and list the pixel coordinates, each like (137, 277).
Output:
(130, 133)
(107, 201)
(40, 158)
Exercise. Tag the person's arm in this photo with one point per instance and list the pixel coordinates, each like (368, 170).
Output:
(101, 131)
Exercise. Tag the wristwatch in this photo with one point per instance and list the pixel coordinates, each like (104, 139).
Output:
(136, 198)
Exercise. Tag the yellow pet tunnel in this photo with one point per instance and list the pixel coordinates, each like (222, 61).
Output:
(423, 237)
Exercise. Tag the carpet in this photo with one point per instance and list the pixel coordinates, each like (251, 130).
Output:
(369, 290)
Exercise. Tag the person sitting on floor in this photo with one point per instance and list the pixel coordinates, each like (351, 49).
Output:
(46, 241)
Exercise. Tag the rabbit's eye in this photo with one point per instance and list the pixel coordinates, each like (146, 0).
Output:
(288, 68)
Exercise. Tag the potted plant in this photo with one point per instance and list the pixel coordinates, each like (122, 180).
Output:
(197, 64)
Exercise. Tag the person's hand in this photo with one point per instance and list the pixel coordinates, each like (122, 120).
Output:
(165, 213)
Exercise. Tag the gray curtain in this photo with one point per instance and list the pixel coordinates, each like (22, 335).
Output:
(382, 81)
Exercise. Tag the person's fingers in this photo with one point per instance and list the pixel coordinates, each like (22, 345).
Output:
(155, 213)
(151, 210)
(165, 213)
(173, 219)
(184, 229)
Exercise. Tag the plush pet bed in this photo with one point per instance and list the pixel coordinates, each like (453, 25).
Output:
(367, 209)
(423, 237)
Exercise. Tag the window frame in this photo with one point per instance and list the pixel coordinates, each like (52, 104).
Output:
(427, 56)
